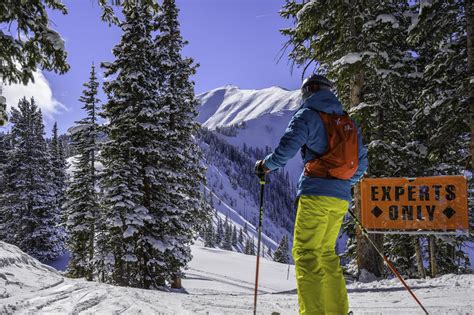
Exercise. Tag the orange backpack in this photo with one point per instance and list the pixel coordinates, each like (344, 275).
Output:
(341, 158)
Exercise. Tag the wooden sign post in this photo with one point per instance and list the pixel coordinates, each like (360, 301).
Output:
(415, 205)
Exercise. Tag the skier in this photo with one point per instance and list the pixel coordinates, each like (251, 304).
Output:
(335, 159)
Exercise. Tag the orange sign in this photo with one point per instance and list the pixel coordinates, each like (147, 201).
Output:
(420, 205)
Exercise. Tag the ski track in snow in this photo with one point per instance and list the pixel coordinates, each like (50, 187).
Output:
(218, 282)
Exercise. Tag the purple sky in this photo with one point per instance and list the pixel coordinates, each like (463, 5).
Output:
(234, 41)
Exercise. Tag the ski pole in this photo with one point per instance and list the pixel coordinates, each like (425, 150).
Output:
(389, 264)
(262, 185)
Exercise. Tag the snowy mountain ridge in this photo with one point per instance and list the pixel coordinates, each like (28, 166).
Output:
(259, 117)
(229, 105)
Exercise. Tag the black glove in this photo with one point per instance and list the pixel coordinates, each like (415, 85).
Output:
(260, 169)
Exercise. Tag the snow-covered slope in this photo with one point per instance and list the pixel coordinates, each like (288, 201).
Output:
(218, 282)
(233, 190)
(262, 115)
(22, 273)
(258, 119)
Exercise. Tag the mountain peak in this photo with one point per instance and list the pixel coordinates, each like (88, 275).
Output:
(230, 105)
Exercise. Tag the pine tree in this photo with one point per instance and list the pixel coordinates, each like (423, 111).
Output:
(247, 248)
(32, 43)
(252, 247)
(241, 236)
(220, 232)
(5, 150)
(185, 212)
(82, 207)
(439, 38)
(211, 199)
(281, 253)
(234, 236)
(133, 181)
(227, 244)
(58, 162)
(28, 208)
(209, 237)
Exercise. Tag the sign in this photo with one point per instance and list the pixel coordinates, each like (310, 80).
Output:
(415, 205)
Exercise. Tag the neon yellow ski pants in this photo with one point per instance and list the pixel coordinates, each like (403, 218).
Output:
(319, 278)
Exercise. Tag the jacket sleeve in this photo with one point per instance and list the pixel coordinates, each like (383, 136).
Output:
(363, 160)
(296, 134)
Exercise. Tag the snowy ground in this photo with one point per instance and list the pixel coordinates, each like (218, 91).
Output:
(219, 282)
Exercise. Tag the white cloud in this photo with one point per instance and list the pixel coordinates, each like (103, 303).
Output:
(40, 90)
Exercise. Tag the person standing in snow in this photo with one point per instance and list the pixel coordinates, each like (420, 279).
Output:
(335, 159)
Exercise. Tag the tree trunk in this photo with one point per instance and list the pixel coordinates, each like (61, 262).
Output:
(469, 6)
(176, 283)
(367, 256)
(419, 257)
(90, 260)
(433, 266)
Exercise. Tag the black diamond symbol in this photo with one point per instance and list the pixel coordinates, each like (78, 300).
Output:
(449, 212)
(377, 211)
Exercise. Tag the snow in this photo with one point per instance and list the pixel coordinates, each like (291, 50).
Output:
(354, 57)
(359, 107)
(55, 39)
(218, 282)
(303, 11)
(388, 18)
(414, 18)
(350, 58)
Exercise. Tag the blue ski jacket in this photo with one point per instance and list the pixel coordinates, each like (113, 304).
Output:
(306, 128)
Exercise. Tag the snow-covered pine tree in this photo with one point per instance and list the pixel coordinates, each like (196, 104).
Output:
(252, 246)
(439, 37)
(184, 211)
(227, 243)
(281, 253)
(82, 206)
(32, 43)
(247, 248)
(134, 179)
(209, 236)
(363, 49)
(241, 236)
(234, 236)
(28, 212)
(59, 165)
(220, 232)
(4, 152)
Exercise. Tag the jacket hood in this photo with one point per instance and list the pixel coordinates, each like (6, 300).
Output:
(324, 101)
